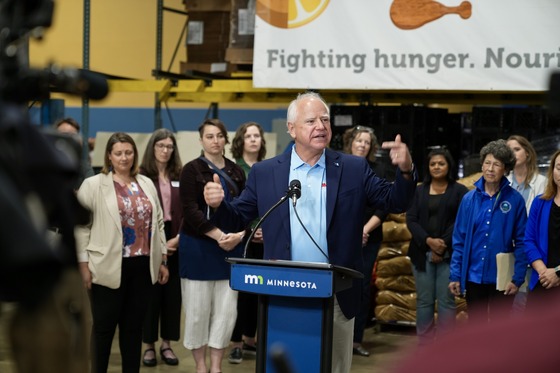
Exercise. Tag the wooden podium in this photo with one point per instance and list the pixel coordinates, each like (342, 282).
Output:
(295, 317)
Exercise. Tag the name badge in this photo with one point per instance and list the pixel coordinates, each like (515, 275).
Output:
(175, 184)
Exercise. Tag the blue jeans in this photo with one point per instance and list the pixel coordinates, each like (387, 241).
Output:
(431, 286)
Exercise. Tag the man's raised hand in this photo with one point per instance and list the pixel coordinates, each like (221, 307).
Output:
(213, 192)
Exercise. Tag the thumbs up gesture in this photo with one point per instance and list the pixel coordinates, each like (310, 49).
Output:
(213, 192)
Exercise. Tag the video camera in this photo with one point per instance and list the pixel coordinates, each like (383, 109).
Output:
(38, 167)
(20, 20)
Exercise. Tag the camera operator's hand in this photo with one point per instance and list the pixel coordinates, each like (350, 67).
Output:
(86, 274)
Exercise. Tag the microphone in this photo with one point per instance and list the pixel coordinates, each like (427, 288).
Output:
(37, 84)
(294, 190)
(79, 82)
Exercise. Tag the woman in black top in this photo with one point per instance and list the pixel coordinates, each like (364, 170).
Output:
(430, 220)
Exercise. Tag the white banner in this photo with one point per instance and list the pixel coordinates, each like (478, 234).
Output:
(475, 45)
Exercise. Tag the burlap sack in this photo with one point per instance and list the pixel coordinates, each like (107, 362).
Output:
(393, 231)
(399, 218)
(402, 283)
(405, 300)
(399, 265)
(390, 250)
(392, 313)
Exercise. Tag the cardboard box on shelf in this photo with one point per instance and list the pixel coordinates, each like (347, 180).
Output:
(239, 56)
(207, 5)
(242, 27)
(207, 36)
(218, 68)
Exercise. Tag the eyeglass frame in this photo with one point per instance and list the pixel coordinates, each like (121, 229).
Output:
(160, 147)
(364, 129)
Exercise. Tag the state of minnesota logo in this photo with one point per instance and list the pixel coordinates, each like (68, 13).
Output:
(290, 13)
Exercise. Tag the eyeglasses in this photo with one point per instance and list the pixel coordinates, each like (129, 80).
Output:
(160, 147)
(488, 164)
(363, 129)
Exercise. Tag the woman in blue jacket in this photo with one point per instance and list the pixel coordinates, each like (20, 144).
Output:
(542, 238)
(491, 220)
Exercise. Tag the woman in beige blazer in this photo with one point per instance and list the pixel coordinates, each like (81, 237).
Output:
(121, 252)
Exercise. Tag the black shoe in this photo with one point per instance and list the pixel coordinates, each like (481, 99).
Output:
(249, 350)
(168, 360)
(360, 351)
(235, 356)
(149, 362)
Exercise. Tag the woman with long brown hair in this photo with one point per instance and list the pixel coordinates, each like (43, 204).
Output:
(162, 164)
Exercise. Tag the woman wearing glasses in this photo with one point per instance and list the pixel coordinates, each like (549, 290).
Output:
(162, 164)
(362, 142)
(491, 220)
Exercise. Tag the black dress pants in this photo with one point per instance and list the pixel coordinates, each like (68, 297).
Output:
(165, 307)
(485, 303)
(125, 307)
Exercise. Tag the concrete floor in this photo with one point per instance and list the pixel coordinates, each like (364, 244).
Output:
(388, 345)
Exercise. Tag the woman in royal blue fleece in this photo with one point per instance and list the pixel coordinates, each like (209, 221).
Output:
(542, 240)
(491, 220)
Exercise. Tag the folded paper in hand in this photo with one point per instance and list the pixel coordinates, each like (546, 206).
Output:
(506, 265)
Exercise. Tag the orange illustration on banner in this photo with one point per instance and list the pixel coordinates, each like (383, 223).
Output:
(290, 13)
(405, 14)
(412, 14)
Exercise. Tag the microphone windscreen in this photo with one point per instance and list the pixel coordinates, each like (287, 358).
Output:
(93, 85)
(295, 187)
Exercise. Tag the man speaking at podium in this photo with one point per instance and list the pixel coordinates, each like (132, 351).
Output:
(335, 189)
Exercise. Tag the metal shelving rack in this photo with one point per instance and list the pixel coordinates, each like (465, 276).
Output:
(213, 89)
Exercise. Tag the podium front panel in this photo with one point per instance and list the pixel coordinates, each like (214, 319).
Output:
(295, 329)
(282, 281)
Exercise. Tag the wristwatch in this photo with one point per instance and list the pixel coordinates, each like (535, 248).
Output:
(557, 270)
(164, 263)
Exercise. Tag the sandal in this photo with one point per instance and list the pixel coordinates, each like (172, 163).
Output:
(168, 360)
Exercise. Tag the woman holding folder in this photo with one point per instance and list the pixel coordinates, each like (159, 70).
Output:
(491, 220)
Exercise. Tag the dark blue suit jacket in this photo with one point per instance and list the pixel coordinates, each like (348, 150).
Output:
(351, 185)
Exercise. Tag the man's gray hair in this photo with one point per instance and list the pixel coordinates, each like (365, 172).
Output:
(292, 108)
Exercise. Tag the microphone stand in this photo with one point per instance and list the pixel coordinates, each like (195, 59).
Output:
(284, 198)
